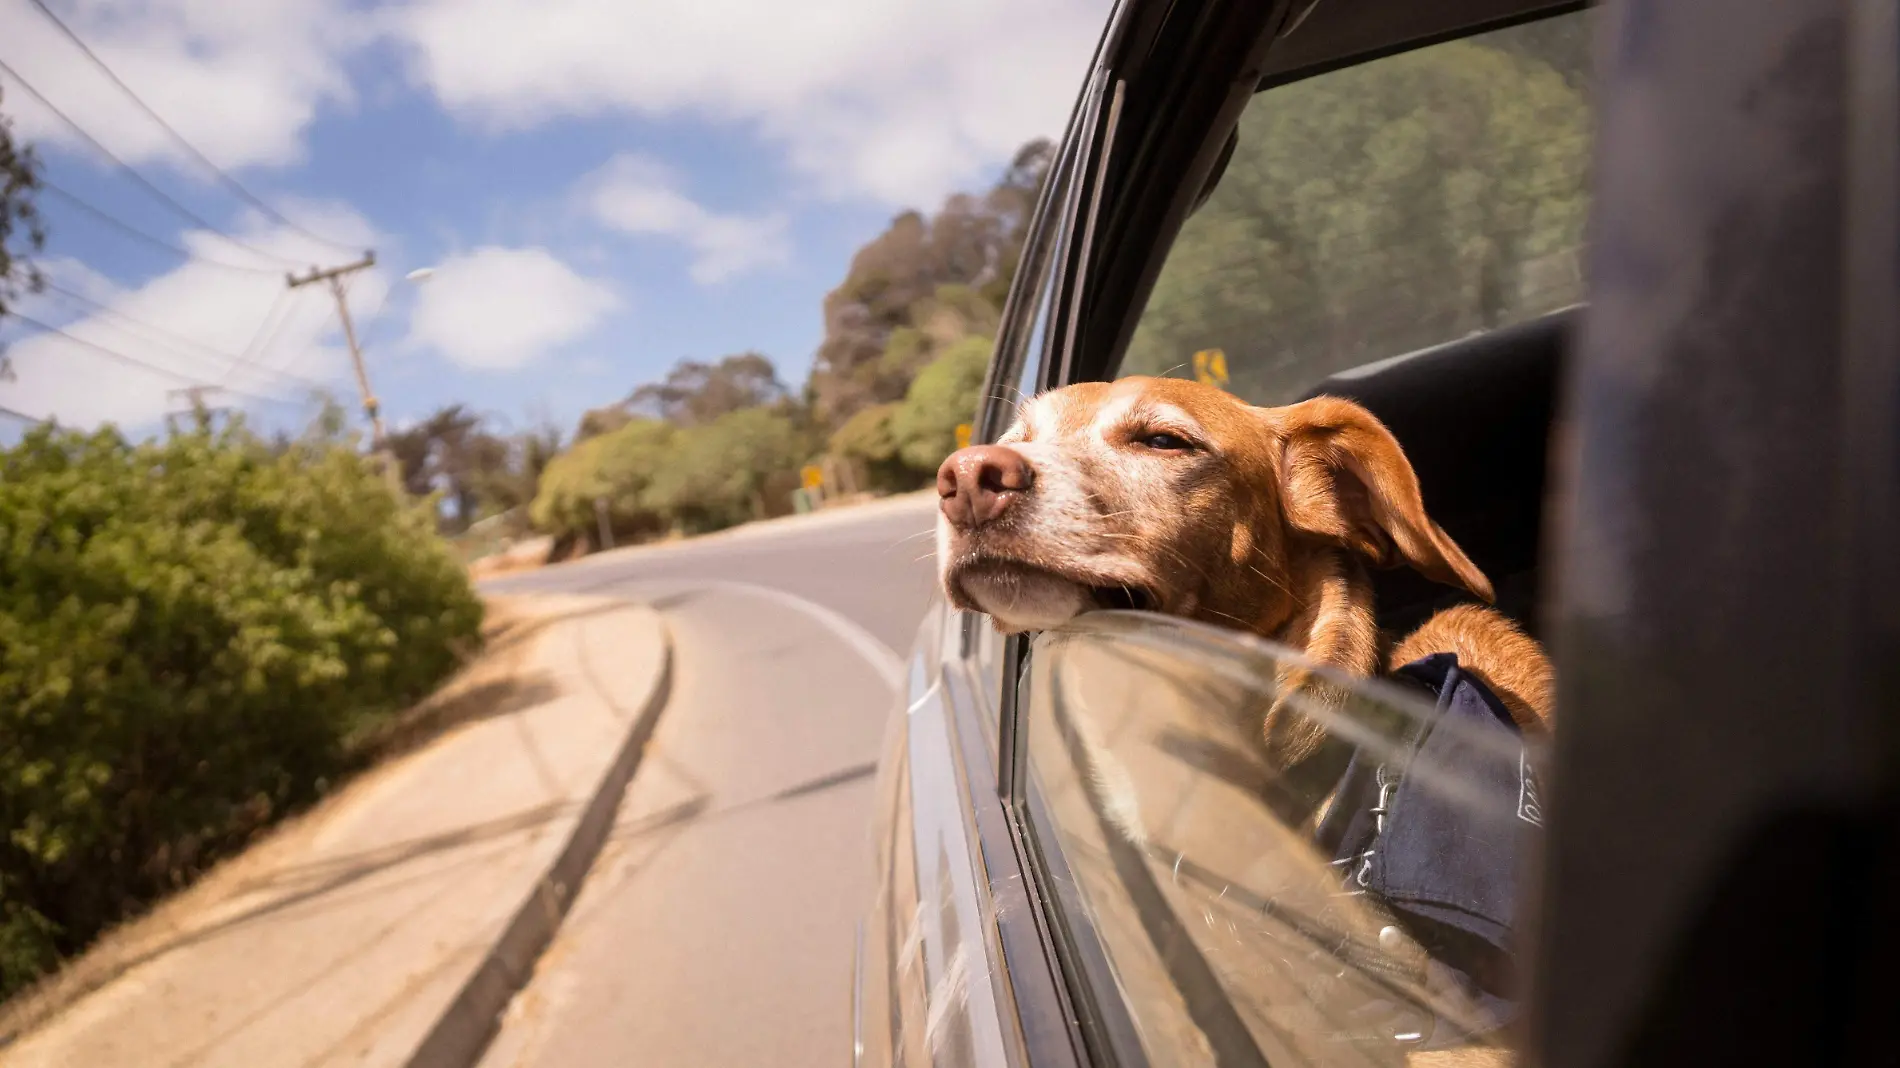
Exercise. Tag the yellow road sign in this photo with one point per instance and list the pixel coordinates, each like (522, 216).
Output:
(1210, 367)
(813, 476)
(963, 435)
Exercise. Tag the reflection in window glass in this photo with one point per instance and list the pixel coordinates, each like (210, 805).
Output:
(985, 645)
(1253, 916)
(1381, 209)
(1028, 370)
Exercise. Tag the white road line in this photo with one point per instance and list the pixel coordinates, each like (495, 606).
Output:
(882, 660)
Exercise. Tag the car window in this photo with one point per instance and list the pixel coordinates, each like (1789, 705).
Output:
(1357, 910)
(1381, 209)
(1251, 916)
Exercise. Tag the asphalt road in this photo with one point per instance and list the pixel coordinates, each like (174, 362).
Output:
(716, 928)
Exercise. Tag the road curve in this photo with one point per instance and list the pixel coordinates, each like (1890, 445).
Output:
(716, 928)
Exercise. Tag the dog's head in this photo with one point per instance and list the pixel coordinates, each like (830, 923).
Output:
(1168, 495)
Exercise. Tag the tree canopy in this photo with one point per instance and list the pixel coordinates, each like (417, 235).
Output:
(1379, 209)
(21, 232)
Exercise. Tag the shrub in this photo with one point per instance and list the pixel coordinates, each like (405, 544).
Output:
(717, 473)
(866, 439)
(191, 631)
(944, 394)
(617, 465)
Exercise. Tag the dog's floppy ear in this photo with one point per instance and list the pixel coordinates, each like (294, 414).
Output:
(1343, 478)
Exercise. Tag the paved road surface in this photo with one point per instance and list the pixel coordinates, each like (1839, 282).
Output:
(716, 928)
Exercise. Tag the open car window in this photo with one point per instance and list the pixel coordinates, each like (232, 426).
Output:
(1381, 209)
(1255, 917)
(1408, 232)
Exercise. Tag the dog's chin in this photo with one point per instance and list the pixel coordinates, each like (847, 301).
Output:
(1022, 597)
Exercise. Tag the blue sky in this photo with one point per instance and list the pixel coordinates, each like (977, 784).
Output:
(602, 186)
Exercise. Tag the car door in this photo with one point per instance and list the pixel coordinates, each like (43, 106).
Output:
(1715, 575)
(959, 795)
(1407, 230)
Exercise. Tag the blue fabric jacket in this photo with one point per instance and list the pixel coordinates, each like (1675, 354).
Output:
(1445, 862)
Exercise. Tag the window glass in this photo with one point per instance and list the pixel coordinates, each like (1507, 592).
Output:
(1382, 209)
(1253, 916)
(985, 646)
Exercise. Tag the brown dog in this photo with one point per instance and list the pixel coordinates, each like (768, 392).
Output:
(1172, 496)
(1167, 495)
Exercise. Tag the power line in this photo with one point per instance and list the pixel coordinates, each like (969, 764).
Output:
(135, 175)
(129, 230)
(134, 361)
(228, 361)
(21, 416)
(228, 181)
(262, 340)
(297, 356)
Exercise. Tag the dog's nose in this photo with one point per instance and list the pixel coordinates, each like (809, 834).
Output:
(979, 483)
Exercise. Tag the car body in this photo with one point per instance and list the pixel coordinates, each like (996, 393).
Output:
(1681, 474)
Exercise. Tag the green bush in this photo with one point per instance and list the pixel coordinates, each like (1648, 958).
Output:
(866, 439)
(944, 394)
(191, 631)
(617, 465)
(717, 473)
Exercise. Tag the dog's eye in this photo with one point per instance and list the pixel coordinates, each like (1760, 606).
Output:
(1165, 442)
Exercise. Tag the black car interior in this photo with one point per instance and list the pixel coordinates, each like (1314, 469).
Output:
(1474, 416)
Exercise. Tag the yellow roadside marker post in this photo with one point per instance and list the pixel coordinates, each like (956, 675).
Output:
(1210, 368)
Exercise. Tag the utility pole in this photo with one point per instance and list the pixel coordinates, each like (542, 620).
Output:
(379, 441)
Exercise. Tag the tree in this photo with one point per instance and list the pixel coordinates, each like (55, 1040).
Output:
(509, 481)
(1012, 200)
(413, 449)
(617, 467)
(944, 395)
(958, 261)
(695, 393)
(1377, 210)
(866, 440)
(481, 472)
(21, 231)
(717, 473)
(602, 421)
(457, 441)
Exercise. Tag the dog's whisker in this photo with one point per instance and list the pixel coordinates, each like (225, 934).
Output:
(1276, 583)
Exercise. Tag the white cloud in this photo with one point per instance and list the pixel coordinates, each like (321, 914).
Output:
(241, 81)
(499, 309)
(903, 100)
(219, 314)
(637, 195)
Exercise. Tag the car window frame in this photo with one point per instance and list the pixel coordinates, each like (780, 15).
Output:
(1023, 343)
